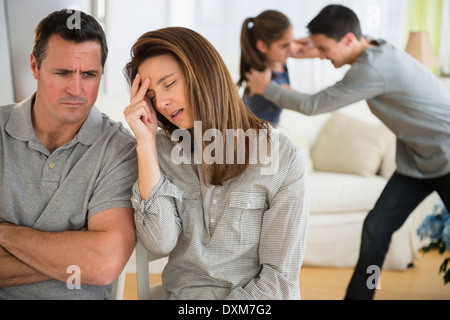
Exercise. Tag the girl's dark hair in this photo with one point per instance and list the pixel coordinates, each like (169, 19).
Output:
(269, 26)
(334, 21)
(60, 23)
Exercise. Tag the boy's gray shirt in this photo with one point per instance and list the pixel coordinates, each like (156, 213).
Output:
(402, 93)
(62, 190)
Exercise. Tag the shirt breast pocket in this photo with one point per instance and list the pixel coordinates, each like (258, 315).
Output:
(244, 218)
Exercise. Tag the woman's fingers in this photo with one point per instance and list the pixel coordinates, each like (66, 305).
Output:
(139, 89)
(143, 89)
(151, 110)
(140, 104)
(140, 114)
(137, 110)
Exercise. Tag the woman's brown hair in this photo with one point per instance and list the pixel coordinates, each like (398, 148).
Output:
(211, 93)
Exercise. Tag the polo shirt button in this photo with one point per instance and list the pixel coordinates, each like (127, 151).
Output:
(214, 201)
(249, 204)
(52, 165)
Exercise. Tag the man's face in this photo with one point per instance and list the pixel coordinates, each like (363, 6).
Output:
(68, 81)
(336, 52)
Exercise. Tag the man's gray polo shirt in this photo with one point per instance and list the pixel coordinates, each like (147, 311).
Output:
(61, 191)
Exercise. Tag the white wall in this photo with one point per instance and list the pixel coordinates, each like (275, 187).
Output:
(218, 20)
(125, 22)
(6, 81)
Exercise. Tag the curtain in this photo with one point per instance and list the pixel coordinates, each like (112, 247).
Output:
(444, 46)
(425, 15)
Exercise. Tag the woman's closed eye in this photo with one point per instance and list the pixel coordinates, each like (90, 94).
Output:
(170, 84)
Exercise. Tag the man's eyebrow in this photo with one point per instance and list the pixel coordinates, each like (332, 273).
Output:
(164, 78)
(73, 71)
(91, 71)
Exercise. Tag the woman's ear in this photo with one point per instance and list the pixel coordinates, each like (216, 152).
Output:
(261, 46)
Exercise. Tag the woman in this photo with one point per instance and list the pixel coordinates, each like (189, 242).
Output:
(232, 231)
(266, 42)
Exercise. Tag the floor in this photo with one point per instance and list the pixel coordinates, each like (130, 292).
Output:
(421, 282)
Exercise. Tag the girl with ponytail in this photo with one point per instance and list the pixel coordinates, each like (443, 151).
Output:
(266, 42)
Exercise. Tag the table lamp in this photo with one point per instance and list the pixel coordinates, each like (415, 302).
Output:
(419, 46)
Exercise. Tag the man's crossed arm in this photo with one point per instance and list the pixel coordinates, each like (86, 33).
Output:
(101, 252)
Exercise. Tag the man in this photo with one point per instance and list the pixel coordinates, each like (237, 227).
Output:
(405, 96)
(66, 174)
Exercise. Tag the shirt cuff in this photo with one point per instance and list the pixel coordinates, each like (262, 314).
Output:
(163, 188)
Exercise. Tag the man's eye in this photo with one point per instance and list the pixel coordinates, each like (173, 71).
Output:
(63, 73)
(88, 75)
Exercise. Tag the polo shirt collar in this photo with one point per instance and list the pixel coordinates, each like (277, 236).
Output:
(92, 127)
(20, 126)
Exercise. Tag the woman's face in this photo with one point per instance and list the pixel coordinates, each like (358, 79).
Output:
(279, 51)
(167, 89)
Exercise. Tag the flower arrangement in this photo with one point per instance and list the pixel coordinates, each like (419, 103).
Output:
(436, 227)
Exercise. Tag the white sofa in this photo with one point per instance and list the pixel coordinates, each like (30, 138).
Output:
(351, 155)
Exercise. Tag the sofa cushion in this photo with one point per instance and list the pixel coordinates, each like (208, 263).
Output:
(301, 141)
(338, 192)
(349, 145)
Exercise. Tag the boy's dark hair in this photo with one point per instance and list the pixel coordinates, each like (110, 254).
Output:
(60, 23)
(334, 21)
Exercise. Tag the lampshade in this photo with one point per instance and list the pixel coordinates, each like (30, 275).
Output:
(419, 46)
